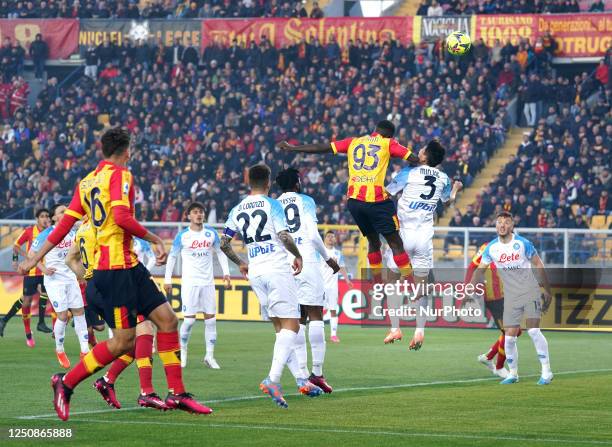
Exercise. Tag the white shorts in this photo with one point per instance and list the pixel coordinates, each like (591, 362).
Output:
(64, 296)
(310, 285)
(418, 243)
(516, 308)
(331, 296)
(199, 299)
(277, 294)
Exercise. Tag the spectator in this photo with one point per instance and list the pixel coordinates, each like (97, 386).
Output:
(39, 52)
(435, 10)
(316, 12)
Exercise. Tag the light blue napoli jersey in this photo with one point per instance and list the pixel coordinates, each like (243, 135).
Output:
(301, 215)
(422, 187)
(259, 219)
(330, 279)
(143, 251)
(56, 258)
(513, 262)
(196, 250)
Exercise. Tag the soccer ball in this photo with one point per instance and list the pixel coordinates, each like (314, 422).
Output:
(458, 43)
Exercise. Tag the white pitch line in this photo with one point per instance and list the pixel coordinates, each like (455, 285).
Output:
(338, 390)
(347, 431)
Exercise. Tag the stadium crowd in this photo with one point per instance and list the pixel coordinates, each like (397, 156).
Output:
(195, 129)
(434, 8)
(155, 9)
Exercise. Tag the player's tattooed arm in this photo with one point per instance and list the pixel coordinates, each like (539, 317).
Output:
(226, 247)
(316, 148)
(290, 246)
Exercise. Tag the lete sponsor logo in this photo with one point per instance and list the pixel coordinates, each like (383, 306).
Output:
(201, 244)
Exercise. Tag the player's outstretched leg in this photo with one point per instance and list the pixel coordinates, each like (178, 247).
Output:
(169, 349)
(185, 332)
(105, 385)
(43, 299)
(541, 345)
(512, 359)
(10, 314)
(210, 339)
(26, 317)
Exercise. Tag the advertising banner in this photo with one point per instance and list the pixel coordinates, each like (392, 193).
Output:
(429, 29)
(61, 35)
(284, 32)
(94, 31)
(578, 35)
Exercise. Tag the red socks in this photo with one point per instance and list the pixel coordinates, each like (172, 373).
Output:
(169, 351)
(93, 361)
(375, 261)
(493, 350)
(403, 263)
(144, 354)
(25, 315)
(118, 366)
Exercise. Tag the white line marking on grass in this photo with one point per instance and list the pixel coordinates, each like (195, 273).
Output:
(347, 431)
(338, 390)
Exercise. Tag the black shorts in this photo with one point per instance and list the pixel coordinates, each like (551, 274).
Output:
(124, 294)
(374, 217)
(496, 307)
(30, 285)
(91, 312)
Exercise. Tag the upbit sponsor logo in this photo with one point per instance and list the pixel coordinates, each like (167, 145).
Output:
(422, 206)
(256, 251)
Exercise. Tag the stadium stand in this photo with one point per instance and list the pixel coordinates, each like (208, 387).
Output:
(197, 128)
(459, 7)
(156, 9)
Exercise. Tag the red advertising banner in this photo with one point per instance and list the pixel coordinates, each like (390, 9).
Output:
(578, 35)
(61, 35)
(284, 32)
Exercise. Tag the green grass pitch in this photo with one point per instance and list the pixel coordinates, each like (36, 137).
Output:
(384, 395)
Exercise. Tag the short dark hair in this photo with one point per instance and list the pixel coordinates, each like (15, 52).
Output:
(386, 128)
(259, 175)
(195, 206)
(54, 208)
(115, 141)
(42, 210)
(288, 179)
(330, 232)
(435, 153)
(504, 214)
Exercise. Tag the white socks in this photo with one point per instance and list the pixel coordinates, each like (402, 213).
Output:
(511, 354)
(59, 330)
(210, 335)
(185, 331)
(316, 336)
(393, 304)
(541, 346)
(333, 325)
(80, 327)
(293, 365)
(421, 316)
(300, 351)
(285, 343)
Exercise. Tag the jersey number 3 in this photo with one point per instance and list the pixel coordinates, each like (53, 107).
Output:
(430, 181)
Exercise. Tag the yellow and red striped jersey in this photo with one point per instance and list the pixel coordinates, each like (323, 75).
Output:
(28, 236)
(493, 286)
(368, 160)
(109, 185)
(86, 241)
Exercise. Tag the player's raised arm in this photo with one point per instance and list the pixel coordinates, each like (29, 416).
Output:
(540, 273)
(73, 261)
(316, 148)
(73, 213)
(450, 199)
